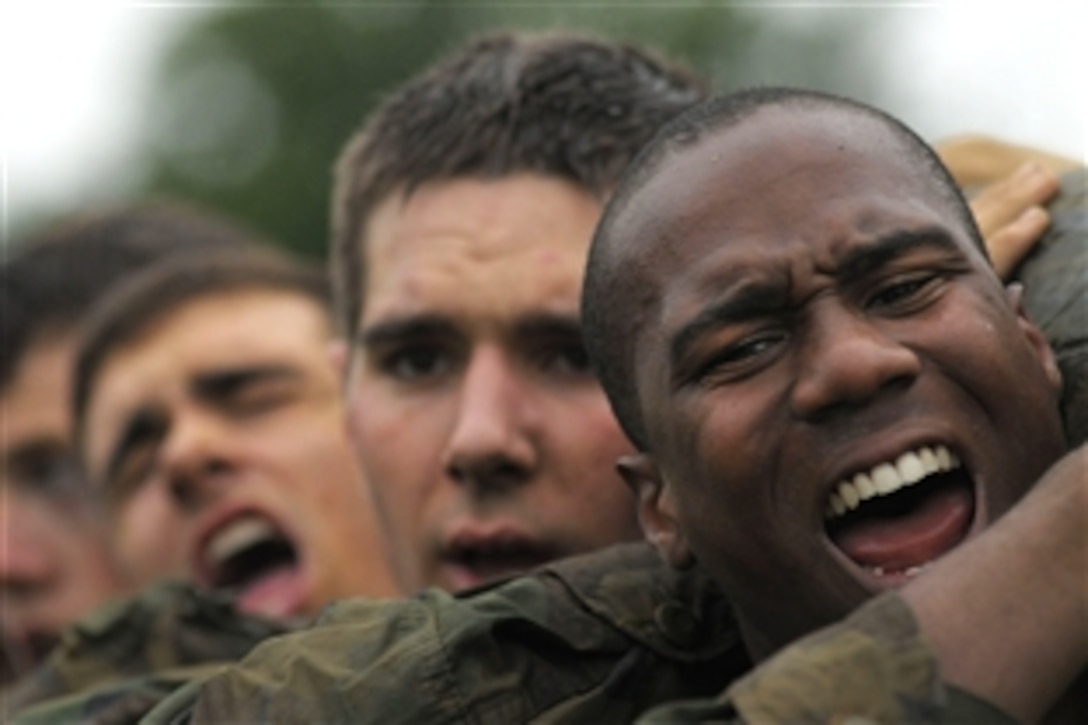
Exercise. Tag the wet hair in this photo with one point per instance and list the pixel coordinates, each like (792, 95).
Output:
(606, 315)
(135, 307)
(563, 105)
(50, 280)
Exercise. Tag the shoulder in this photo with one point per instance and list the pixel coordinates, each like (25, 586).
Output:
(1055, 279)
(602, 635)
(168, 626)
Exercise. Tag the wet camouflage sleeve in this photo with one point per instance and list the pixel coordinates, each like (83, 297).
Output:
(1055, 278)
(127, 654)
(874, 667)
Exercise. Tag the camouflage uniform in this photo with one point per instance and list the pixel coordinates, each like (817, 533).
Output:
(130, 653)
(598, 638)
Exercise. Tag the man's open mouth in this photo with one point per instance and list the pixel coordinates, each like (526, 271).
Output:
(252, 557)
(899, 516)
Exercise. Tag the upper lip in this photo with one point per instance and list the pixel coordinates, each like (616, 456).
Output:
(214, 522)
(482, 542)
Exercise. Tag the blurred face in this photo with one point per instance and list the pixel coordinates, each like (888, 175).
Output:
(218, 437)
(836, 388)
(490, 445)
(54, 565)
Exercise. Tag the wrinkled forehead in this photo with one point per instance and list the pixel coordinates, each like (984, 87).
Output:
(780, 169)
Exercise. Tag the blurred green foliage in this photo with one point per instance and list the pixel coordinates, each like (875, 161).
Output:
(251, 105)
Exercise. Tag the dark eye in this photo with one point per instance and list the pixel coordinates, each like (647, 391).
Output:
(48, 470)
(259, 395)
(565, 358)
(131, 474)
(744, 357)
(415, 363)
(903, 292)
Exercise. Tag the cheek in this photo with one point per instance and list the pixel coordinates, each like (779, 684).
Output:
(586, 424)
(398, 447)
(149, 537)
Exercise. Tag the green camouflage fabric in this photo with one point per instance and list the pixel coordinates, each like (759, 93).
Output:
(596, 638)
(132, 652)
(1055, 278)
(600, 638)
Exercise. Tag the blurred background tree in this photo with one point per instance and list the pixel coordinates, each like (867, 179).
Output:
(247, 105)
(251, 105)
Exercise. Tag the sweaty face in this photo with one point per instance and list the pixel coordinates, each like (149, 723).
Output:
(218, 437)
(54, 563)
(836, 388)
(490, 445)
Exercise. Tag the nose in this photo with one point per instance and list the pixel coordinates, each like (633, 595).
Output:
(491, 446)
(27, 568)
(197, 459)
(846, 361)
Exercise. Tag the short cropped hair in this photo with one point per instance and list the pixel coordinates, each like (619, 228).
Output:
(131, 310)
(50, 280)
(606, 321)
(563, 105)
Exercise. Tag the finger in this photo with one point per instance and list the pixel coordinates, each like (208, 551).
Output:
(1004, 202)
(1012, 242)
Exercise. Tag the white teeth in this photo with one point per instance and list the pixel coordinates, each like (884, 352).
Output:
(849, 496)
(929, 460)
(910, 572)
(236, 536)
(887, 478)
(910, 468)
(865, 486)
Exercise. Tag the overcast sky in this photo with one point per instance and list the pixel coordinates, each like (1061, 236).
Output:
(72, 76)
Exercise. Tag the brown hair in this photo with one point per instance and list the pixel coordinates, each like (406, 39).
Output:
(565, 105)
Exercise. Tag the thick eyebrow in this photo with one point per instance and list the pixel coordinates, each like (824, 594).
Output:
(740, 304)
(859, 261)
(146, 426)
(754, 300)
(402, 328)
(218, 384)
(548, 325)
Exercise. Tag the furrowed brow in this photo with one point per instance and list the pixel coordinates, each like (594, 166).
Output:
(860, 261)
(406, 328)
(740, 305)
(549, 325)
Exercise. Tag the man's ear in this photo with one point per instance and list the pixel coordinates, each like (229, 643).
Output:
(1035, 337)
(656, 509)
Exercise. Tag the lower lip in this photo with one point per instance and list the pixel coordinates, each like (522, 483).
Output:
(280, 593)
